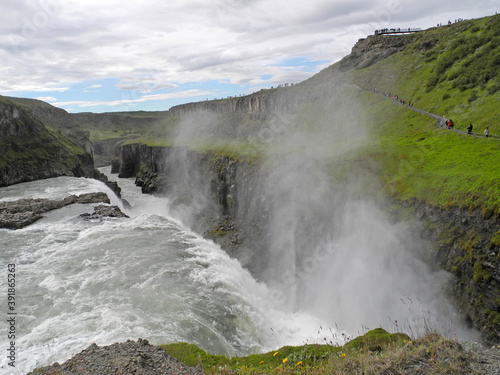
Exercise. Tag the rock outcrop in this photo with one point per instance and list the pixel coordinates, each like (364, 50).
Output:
(23, 212)
(130, 357)
(373, 49)
(279, 100)
(101, 212)
(467, 244)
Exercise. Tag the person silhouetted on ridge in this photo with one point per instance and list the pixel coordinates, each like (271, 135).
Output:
(486, 132)
(469, 129)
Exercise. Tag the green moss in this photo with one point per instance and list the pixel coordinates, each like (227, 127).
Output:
(480, 274)
(286, 357)
(493, 317)
(192, 355)
(66, 142)
(377, 340)
(495, 241)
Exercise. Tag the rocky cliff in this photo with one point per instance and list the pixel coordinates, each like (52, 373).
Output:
(224, 199)
(203, 187)
(30, 151)
(33, 146)
(466, 243)
(279, 100)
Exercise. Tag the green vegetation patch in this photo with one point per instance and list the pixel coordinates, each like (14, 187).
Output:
(375, 352)
(421, 161)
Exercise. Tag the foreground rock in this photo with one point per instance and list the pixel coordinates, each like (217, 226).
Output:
(102, 211)
(129, 357)
(488, 359)
(23, 212)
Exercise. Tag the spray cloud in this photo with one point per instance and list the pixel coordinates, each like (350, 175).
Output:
(325, 245)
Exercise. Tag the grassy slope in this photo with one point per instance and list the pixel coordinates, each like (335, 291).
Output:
(375, 352)
(451, 71)
(430, 164)
(419, 160)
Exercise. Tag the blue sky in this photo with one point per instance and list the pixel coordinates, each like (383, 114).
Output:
(110, 55)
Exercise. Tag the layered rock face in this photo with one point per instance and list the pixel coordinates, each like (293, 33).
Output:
(211, 193)
(280, 100)
(467, 245)
(373, 49)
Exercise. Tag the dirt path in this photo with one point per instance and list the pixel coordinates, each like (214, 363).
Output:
(440, 120)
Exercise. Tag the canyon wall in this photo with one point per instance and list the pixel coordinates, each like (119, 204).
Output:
(30, 151)
(223, 199)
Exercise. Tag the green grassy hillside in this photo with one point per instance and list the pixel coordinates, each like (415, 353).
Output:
(451, 71)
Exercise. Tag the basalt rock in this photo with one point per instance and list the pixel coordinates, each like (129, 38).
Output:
(23, 212)
(101, 212)
(467, 244)
(373, 49)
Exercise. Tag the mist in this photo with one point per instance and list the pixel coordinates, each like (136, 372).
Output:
(329, 245)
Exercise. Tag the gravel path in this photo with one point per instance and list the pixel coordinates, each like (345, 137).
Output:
(130, 357)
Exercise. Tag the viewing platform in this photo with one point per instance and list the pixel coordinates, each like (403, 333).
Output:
(397, 31)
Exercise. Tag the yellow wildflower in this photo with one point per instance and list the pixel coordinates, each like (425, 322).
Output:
(286, 359)
(299, 363)
(274, 355)
(261, 362)
(342, 355)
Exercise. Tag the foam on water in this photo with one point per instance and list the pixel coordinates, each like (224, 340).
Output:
(80, 282)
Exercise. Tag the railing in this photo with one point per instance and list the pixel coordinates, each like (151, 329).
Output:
(397, 31)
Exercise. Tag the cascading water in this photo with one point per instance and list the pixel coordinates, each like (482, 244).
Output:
(80, 282)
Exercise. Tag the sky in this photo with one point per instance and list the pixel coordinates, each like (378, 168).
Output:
(115, 55)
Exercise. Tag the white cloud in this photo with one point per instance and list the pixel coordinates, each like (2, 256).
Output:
(93, 87)
(150, 45)
(28, 87)
(46, 98)
(129, 101)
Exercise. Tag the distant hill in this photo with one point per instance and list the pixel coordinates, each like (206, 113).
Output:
(29, 150)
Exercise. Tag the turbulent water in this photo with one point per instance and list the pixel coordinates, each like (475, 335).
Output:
(80, 282)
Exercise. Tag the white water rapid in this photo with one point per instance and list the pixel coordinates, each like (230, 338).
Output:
(82, 282)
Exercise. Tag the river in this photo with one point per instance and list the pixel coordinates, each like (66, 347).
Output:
(148, 276)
